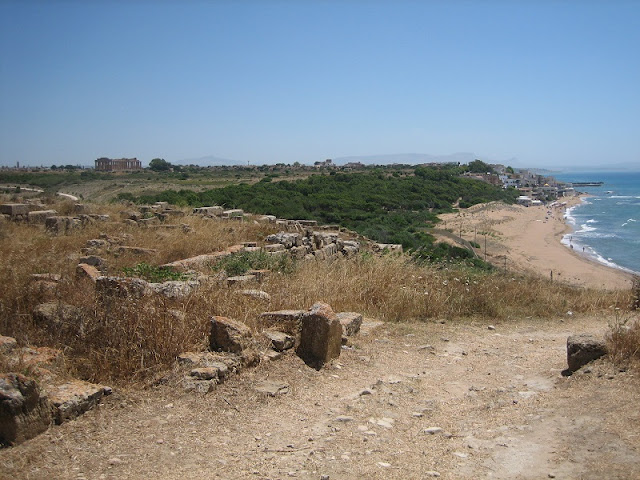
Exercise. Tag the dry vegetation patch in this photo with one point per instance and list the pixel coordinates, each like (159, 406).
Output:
(130, 338)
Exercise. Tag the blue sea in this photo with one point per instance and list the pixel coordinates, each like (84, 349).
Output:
(607, 223)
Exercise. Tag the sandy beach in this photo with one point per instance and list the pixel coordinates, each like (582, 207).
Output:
(529, 239)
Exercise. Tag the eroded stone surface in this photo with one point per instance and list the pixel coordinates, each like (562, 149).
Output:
(24, 409)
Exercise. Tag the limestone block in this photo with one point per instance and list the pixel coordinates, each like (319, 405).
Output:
(213, 211)
(87, 271)
(288, 321)
(280, 341)
(351, 322)
(240, 279)
(24, 409)
(72, 399)
(582, 349)
(58, 224)
(321, 336)
(228, 335)
(14, 209)
(40, 216)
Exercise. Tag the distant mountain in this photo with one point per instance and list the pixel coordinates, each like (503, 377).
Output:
(208, 161)
(407, 158)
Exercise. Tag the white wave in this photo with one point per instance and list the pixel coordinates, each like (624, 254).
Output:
(585, 228)
(624, 224)
(591, 220)
(632, 220)
(621, 196)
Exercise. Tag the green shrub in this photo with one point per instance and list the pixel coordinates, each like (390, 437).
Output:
(153, 273)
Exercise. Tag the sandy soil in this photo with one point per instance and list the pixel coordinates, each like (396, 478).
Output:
(498, 395)
(528, 238)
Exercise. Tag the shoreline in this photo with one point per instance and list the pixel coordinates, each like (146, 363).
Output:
(531, 239)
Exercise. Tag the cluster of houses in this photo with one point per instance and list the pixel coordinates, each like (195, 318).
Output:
(535, 189)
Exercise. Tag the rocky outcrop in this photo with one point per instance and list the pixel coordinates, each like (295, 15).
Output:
(584, 348)
(320, 336)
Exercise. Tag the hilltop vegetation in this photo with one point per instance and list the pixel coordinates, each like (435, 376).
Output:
(395, 207)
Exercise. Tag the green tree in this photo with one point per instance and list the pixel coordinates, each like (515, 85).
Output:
(510, 170)
(478, 166)
(159, 165)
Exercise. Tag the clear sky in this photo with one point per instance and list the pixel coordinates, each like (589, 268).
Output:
(532, 83)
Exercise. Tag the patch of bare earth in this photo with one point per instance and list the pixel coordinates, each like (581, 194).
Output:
(454, 400)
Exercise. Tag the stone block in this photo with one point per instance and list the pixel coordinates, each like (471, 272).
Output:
(584, 348)
(40, 216)
(321, 336)
(350, 322)
(60, 225)
(240, 279)
(274, 247)
(213, 211)
(14, 209)
(87, 271)
(288, 321)
(24, 409)
(280, 341)
(72, 399)
(228, 335)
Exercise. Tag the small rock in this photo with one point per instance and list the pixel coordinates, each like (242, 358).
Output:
(114, 461)
(432, 473)
(491, 327)
(384, 464)
(432, 430)
(344, 418)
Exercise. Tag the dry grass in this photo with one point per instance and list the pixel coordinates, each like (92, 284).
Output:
(125, 339)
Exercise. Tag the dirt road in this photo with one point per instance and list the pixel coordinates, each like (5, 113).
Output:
(448, 400)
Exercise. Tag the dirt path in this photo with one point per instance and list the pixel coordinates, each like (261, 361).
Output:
(498, 396)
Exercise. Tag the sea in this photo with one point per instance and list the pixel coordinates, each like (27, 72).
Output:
(606, 225)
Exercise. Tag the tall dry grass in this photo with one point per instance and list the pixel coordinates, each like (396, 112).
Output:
(124, 339)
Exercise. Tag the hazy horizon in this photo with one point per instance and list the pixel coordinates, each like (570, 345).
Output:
(544, 84)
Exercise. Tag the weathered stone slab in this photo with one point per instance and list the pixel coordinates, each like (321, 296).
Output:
(584, 348)
(175, 288)
(40, 216)
(233, 213)
(87, 271)
(24, 409)
(72, 399)
(238, 279)
(280, 341)
(288, 321)
(213, 211)
(14, 209)
(46, 277)
(122, 287)
(351, 322)
(321, 336)
(257, 294)
(58, 224)
(228, 335)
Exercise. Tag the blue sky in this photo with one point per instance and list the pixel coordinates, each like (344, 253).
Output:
(531, 83)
